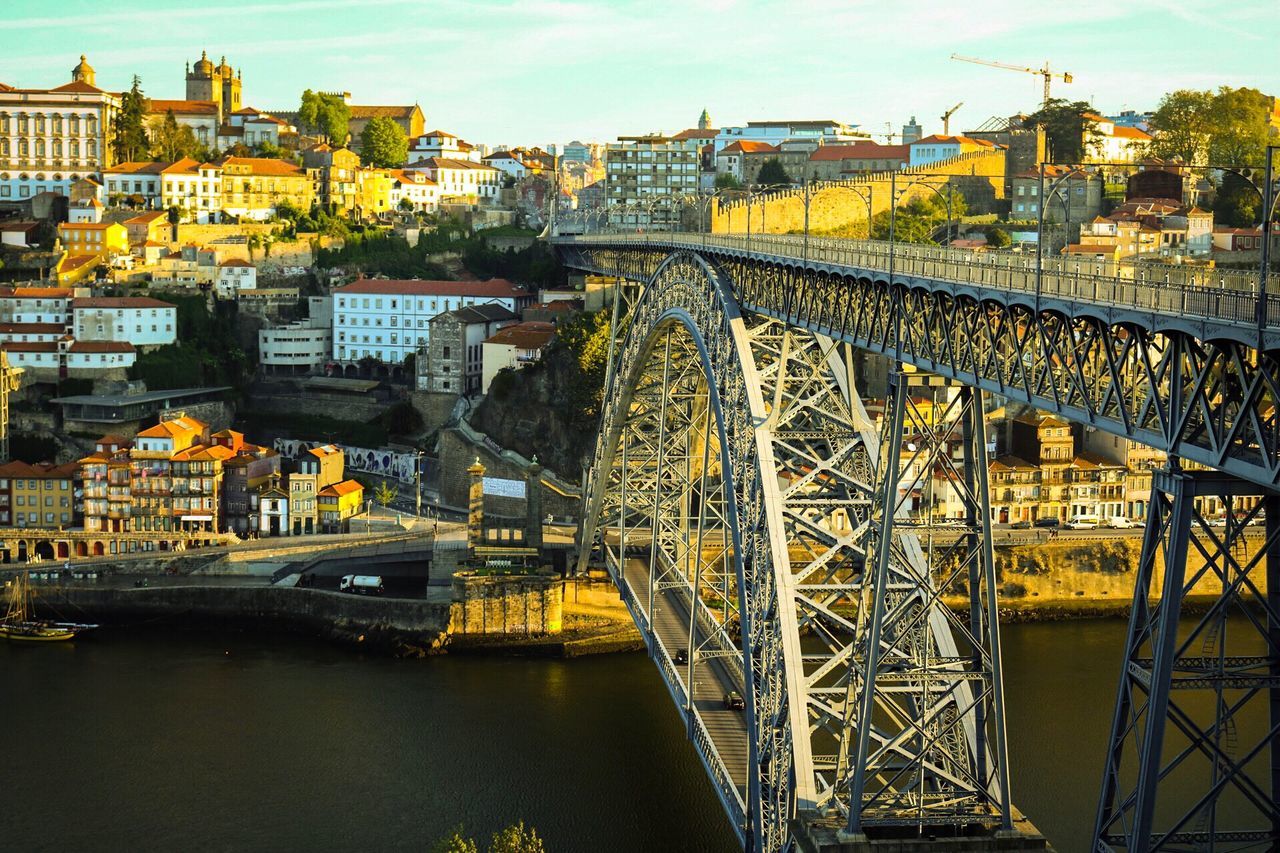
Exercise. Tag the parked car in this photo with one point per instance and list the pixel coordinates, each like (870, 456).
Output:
(1020, 525)
(733, 701)
(1083, 522)
(1119, 522)
(1051, 521)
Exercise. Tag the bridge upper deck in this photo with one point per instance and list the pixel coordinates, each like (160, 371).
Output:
(1213, 301)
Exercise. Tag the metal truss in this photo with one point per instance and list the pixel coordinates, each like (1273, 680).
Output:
(733, 482)
(1199, 701)
(1197, 390)
(931, 747)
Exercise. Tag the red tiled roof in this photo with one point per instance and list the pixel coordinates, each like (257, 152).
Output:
(749, 146)
(494, 287)
(346, 487)
(79, 86)
(32, 328)
(236, 262)
(861, 151)
(183, 107)
(140, 167)
(146, 218)
(102, 346)
(35, 292)
(39, 471)
(696, 133)
(937, 138)
(529, 335)
(1129, 132)
(262, 165)
(30, 346)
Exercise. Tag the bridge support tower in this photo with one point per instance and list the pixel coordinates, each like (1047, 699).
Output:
(1194, 756)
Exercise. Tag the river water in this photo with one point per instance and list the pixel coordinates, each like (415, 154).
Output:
(184, 741)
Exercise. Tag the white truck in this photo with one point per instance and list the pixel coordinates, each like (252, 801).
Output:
(361, 584)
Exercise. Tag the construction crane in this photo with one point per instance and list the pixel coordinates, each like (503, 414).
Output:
(1042, 72)
(946, 119)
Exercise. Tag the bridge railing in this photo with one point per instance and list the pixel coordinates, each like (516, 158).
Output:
(1222, 295)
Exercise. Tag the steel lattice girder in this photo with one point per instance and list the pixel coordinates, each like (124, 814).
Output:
(1184, 702)
(796, 460)
(1154, 381)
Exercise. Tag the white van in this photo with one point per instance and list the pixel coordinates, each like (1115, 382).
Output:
(1119, 522)
(1083, 522)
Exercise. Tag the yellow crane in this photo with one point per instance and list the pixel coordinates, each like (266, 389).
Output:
(1044, 72)
(946, 119)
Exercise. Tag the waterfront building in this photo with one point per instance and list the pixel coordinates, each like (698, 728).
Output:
(37, 495)
(388, 319)
(317, 469)
(644, 174)
(108, 499)
(244, 474)
(515, 347)
(130, 411)
(338, 504)
(452, 361)
(272, 518)
(51, 138)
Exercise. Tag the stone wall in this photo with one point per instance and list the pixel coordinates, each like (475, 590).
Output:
(457, 452)
(839, 206)
(435, 408)
(506, 604)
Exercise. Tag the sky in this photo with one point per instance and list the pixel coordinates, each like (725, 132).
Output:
(525, 72)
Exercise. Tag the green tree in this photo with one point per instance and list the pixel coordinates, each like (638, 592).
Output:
(516, 839)
(1069, 129)
(455, 842)
(172, 141)
(385, 493)
(325, 114)
(727, 181)
(128, 133)
(772, 173)
(998, 238)
(383, 143)
(1181, 126)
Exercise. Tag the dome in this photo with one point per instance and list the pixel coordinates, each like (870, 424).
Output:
(224, 68)
(83, 72)
(204, 66)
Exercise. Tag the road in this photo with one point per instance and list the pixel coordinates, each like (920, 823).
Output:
(712, 680)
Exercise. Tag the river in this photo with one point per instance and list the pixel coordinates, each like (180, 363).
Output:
(185, 741)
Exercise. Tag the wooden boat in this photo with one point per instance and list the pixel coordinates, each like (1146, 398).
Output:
(18, 623)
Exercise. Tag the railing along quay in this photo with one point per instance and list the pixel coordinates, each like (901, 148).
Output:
(1228, 296)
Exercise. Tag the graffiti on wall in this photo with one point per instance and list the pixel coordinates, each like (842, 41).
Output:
(385, 463)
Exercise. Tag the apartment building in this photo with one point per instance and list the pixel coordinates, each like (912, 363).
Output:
(645, 174)
(39, 495)
(137, 320)
(108, 498)
(253, 186)
(337, 504)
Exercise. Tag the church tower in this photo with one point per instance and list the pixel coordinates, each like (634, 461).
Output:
(83, 73)
(200, 82)
(230, 84)
(704, 120)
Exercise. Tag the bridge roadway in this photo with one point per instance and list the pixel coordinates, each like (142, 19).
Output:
(727, 728)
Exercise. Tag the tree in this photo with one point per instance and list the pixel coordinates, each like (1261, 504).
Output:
(128, 133)
(998, 238)
(325, 114)
(1069, 129)
(172, 141)
(772, 173)
(383, 143)
(1181, 126)
(516, 839)
(455, 842)
(1227, 127)
(385, 493)
(727, 181)
(405, 205)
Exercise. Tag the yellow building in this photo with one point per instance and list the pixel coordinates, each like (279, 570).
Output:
(252, 187)
(36, 495)
(106, 239)
(73, 269)
(375, 191)
(337, 504)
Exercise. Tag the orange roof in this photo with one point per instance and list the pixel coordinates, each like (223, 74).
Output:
(142, 167)
(749, 146)
(860, 151)
(119, 302)
(170, 428)
(183, 107)
(70, 263)
(529, 335)
(36, 292)
(102, 346)
(337, 490)
(324, 450)
(203, 453)
(38, 471)
(1129, 132)
(147, 218)
(262, 165)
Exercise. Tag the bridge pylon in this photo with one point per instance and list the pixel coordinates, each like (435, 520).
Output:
(930, 751)
(1194, 756)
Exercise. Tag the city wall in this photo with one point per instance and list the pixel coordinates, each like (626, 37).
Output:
(458, 451)
(506, 604)
(839, 207)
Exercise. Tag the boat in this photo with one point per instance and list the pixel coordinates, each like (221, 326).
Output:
(18, 623)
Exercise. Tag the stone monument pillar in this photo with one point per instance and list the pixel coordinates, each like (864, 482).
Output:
(533, 505)
(475, 506)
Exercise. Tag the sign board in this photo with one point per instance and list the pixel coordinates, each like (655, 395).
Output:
(501, 488)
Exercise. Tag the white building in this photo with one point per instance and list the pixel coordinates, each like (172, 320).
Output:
(514, 347)
(140, 179)
(138, 320)
(438, 143)
(50, 138)
(36, 304)
(459, 180)
(234, 276)
(387, 320)
(420, 191)
(253, 128)
(508, 164)
(46, 359)
(89, 210)
(1114, 142)
(822, 131)
(935, 148)
(200, 116)
(302, 346)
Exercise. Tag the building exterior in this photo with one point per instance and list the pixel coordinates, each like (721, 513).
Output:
(37, 495)
(234, 276)
(514, 347)
(1074, 196)
(244, 473)
(439, 143)
(415, 190)
(135, 182)
(818, 132)
(254, 129)
(194, 188)
(731, 159)
(463, 181)
(51, 138)
(253, 186)
(108, 499)
(316, 470)
(337, 175)
(36, 304)
(219, 85)
(150, 227)
(337, 504)
(303, 346)
(935, 148)
(644, 173)
(452, 361)
(104, 239)
(175, 477)
(1114, 143)
(408, 117)
(835, 162)
(388, 320)
(137, 320)
(203, 117)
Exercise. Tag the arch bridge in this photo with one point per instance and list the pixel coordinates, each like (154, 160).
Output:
(777, 548)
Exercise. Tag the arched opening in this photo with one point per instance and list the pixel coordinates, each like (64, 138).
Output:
(99, 549)
(82, 548)
(64, 550)
(44, 549)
